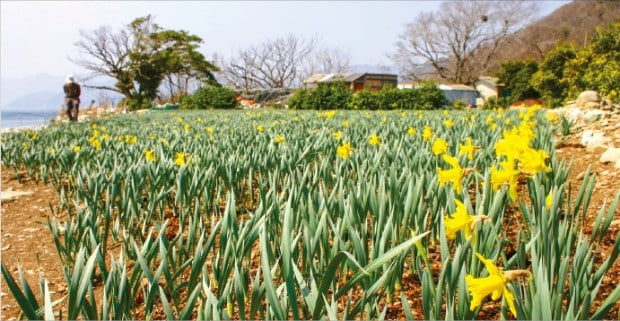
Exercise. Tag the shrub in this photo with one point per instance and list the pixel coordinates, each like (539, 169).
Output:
(326, 96)
(364, 99)
(597, 67)
(549, 80)
(459, 104)
(430, 96)
(389, 98)
(338, 96)
(210, 97)
(299, 99)
(516, 75)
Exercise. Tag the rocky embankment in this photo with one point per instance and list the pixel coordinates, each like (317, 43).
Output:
(596, 126)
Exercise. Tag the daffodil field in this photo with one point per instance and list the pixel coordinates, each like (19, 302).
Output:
(317, 215)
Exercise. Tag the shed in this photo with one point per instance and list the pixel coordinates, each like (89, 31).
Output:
(488, 87)
(456, 92)
(355, 81)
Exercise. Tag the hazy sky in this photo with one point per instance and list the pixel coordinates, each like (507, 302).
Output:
(38, 36)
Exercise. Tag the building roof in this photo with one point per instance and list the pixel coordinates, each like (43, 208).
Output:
(349, 77)
(456, 87)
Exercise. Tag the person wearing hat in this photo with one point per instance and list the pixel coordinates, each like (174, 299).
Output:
(72, 98)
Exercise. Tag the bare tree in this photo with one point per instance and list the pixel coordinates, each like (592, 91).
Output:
(272, 64)
(327, 61)
(104, 52)
(458, 41)
(142, 56)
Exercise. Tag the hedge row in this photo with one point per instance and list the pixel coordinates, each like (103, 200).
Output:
(338, 96)
(210, 97)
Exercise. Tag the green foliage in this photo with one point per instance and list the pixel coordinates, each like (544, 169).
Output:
(459, 104)
(427, 96)
(430, 96)
(142, 56)
(516, 75)
(494, 103)
(292, 228)
(597, 67)
(210, 97)
(549, 80)
(365, 99)
(334, 95)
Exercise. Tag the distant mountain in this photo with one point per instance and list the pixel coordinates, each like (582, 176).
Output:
(43, 92)
(574, 22)
(14, 88)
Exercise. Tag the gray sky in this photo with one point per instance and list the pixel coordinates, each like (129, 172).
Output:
(38, 36)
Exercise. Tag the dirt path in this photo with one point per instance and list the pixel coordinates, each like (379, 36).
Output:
(26, 240)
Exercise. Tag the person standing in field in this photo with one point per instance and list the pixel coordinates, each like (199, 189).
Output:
(72, 98)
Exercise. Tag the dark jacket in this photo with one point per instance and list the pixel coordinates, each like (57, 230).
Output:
(72, 90)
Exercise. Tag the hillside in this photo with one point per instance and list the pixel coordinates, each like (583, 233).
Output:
(574, 22)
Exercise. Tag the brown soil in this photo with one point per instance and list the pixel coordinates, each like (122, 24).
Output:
(26, 240)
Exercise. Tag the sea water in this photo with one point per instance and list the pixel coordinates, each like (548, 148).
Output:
(13, 119)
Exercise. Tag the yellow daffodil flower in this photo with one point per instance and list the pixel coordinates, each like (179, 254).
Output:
(186, 127)
(149, 154)
(94, 141)
(532, 161)
(460, 220)
(374, 140)
(260, 128)
(77, 149)
(209, 129)
(453, 175)
(549, 201)
(495, 285)
(411, 131)
(345, 123)
(448, 123)
(553, 118)
(427, 134)
(338, 135)
(507, 176)
(440, 146)
(181, 159)
(345, 150)
(467, 149)
(279, 139)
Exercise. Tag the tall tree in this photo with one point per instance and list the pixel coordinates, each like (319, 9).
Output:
(457, 42)
(141, 56)
(274, 63)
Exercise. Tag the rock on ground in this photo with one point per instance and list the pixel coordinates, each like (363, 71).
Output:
(588, 96)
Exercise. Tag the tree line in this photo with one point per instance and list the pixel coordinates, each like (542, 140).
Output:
(456, 43)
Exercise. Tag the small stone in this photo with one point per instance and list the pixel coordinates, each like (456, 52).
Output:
(594, 138)
(581, 175)
(610, 155)
(6, 248)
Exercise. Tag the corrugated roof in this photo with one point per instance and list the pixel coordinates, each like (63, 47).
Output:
(315, 78)
(456, 87)
(352, 77)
